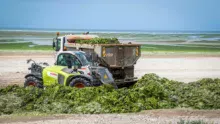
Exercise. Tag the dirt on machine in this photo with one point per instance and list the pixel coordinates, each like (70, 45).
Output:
(118, 58)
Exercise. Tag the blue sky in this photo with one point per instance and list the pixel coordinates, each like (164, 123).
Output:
(198, 15)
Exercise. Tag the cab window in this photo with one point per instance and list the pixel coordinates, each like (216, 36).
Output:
(62, 60)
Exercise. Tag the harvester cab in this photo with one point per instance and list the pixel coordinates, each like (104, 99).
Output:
(85, 65)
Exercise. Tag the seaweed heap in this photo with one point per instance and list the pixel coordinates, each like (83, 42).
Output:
(150, 92)
(99, 41)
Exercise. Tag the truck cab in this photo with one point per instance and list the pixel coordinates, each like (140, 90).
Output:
(59, 41)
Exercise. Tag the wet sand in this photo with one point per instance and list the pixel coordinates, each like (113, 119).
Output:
(184, 69)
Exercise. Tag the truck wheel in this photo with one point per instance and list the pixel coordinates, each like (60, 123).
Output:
(33, 81)
(79, 83)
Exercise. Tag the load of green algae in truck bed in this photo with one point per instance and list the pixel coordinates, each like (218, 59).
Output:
(150, 92)
(99, 41)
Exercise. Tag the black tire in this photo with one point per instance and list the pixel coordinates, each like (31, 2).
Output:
(79, 82)
(33, 81)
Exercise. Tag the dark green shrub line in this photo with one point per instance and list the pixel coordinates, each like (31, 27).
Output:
(150, 92)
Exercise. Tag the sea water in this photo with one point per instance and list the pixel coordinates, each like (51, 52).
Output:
(45, 37)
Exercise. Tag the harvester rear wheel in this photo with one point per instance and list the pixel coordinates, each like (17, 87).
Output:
(33, 81)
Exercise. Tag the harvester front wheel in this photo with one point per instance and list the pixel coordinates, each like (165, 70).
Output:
(79, 83)
(33, 81)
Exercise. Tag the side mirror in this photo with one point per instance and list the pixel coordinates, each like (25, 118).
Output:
(54, 44)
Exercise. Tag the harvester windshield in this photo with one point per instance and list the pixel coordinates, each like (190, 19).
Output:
(64, 57)
(82, 57)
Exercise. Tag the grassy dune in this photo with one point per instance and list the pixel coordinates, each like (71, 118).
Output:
(187, 48)
(24, 46)
(180, 48)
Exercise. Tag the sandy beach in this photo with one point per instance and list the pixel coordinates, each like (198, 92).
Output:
(184, 68)
(161, 116)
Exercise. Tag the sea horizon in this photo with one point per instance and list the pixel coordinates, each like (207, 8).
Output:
(110, 31)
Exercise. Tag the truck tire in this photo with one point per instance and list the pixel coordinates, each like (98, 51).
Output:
(33, 81)
(79, 83)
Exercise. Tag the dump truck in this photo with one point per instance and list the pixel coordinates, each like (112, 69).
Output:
(118, 58)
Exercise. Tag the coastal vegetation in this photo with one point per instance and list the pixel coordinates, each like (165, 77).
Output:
(150, 92)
